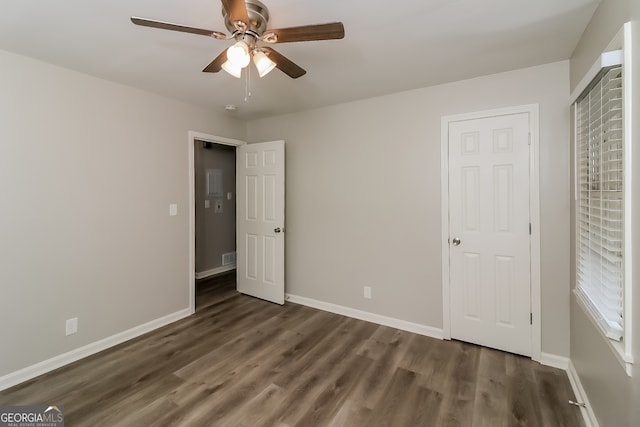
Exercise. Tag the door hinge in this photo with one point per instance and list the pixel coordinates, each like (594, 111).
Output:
(529, 138)
(531, 318)
(529, 229)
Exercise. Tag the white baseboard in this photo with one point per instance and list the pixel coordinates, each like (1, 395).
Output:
(56, 362)
(555, 361)
(214, 271)
(565, 364)
(366, 316)
(590, 419)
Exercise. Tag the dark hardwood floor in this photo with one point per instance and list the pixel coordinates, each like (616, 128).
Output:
(240, 361)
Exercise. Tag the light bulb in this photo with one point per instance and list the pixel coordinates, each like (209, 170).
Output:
(232, 69)
(238, 54)
(263, 63)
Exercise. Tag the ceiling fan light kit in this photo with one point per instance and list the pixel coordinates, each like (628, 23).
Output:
(247, 21)
(262, 63)
(232, 69)
(238, 54)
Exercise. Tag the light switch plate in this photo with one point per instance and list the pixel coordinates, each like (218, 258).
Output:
(173, 209)
(207, 204)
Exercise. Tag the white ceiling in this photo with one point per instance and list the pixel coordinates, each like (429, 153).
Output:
(389, 46)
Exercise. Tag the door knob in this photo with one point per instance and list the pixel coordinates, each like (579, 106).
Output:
(456, 241)
(277, 230)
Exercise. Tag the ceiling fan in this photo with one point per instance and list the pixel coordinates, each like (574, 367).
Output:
(247, 21)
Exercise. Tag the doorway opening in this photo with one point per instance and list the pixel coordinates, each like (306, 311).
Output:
(212, 214)
(215, 232)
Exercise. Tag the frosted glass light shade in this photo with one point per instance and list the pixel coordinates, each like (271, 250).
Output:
(232, 69)
(263, 63)
(238, 54)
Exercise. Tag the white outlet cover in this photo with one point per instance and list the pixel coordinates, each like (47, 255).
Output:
(71, 326)
(367, 292)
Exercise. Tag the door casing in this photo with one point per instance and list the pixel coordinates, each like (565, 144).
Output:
(534, 215)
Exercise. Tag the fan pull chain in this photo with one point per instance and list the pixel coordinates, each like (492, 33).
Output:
(247, 90)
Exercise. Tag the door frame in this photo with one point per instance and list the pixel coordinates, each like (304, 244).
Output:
(193, 137)
(534, 215)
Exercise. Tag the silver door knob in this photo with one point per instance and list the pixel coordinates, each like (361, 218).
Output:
(456, 241)
(277, 230)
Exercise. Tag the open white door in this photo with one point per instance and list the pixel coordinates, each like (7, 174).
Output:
(260, 220)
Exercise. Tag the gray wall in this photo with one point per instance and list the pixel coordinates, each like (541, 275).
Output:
(363, 195)
(613, 395)
(215, 232)
(88, 169)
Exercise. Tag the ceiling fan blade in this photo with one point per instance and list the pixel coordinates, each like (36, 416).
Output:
(305, 33)
(237, 11)
(175, 27)
(285, 65)
(216, 64)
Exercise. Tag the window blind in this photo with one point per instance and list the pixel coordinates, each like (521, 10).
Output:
(600, 208)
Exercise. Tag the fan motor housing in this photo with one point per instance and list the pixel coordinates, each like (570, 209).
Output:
(258, 18)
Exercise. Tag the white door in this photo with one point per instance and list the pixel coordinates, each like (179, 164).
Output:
(260, 220)
(489, 244)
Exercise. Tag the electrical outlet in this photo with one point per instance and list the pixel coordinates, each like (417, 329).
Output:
(72, 326)
(367, 292)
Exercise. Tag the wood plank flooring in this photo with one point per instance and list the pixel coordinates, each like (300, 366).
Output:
(240, 361)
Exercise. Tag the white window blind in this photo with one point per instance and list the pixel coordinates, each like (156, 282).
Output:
(600, 209)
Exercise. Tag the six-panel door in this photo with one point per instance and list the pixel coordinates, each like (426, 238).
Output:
(489, 214)
(260, 220)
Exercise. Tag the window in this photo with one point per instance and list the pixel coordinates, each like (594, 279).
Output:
(605, 196)
(600, 200)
